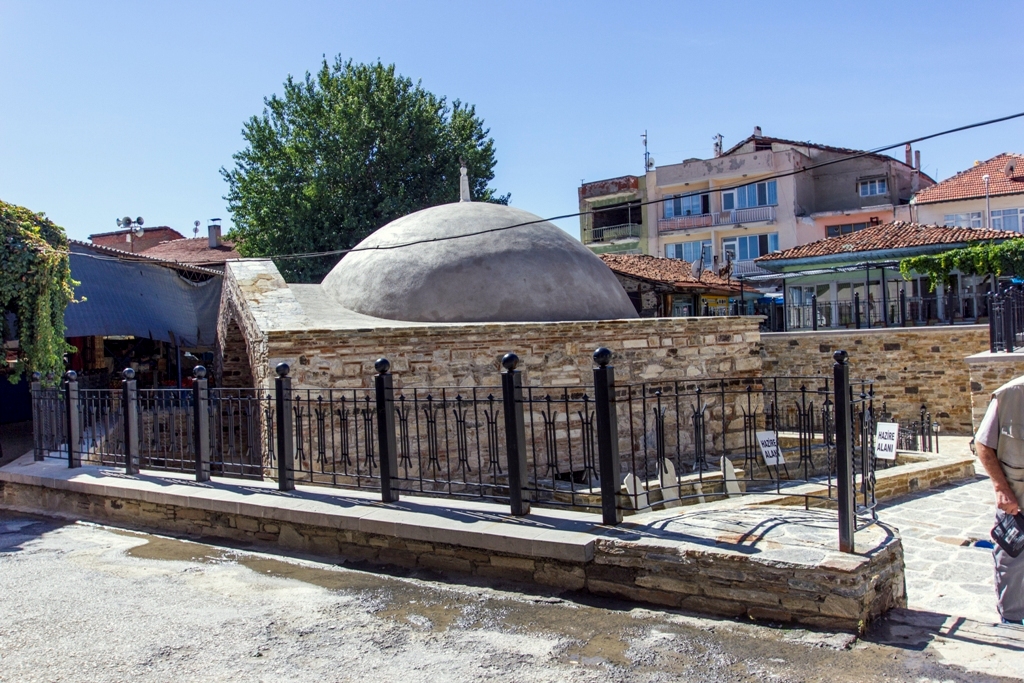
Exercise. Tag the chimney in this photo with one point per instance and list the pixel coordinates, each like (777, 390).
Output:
(757, 131)
(214, 229)
(917, 160)
(909, 155)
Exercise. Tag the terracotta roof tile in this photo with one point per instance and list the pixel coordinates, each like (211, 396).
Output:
(196, 251)
(970, 184)
(896, 235)
(669, 271)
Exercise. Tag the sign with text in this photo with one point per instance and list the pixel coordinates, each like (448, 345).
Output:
(770, 448)
(886, 434)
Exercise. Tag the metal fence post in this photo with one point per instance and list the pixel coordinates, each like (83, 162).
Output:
(37, 417)
(201, 416)
(74, 426)
(386, 442)
(903, 307)
(130, 415)
(515, 433)
(856, 310)
(814, 312)
(607, 436)
(285, 436)
(844, 451)
(1009, 338)
(991, 322)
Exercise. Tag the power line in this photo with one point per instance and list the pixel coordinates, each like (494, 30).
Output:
(775, 176)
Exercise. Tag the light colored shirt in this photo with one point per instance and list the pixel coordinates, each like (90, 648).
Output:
(988, 430)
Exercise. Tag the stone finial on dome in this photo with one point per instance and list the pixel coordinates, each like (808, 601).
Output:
(463, 183)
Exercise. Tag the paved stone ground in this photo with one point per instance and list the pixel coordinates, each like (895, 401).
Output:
(79, 602)
(946, 572)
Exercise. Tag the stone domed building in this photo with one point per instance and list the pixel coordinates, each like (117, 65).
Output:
(444, 293)
(476, 262)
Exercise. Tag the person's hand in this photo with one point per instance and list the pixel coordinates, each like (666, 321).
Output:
(1007, 502)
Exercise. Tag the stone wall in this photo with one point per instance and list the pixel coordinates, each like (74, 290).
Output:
(988, 372)
(552, 354)
(910, 366)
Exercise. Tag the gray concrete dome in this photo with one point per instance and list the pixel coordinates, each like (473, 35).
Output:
(530, 273)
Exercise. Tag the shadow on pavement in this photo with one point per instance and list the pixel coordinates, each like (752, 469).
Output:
(17, 529)
(910, 629)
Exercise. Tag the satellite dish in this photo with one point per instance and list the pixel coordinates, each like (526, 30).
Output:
(697, 267)
(650, 164)
(195, 230)
(139, 220)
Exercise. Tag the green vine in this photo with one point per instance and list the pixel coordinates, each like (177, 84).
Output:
(36, 286)
(1004, 259)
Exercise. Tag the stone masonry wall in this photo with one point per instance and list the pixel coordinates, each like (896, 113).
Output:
(552, 354)
(988, 372)
(910, 366)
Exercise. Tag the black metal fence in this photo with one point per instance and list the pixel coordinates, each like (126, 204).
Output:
(609, 447)
(1006, 320)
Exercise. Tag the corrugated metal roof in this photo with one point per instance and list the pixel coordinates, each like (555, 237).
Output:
(142, 298)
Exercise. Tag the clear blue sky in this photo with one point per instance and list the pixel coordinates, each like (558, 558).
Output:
(110, 108)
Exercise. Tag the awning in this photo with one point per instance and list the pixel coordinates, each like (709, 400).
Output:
(142, 298)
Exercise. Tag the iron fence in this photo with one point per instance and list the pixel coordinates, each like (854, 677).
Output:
(1006, 319)
(610, 447)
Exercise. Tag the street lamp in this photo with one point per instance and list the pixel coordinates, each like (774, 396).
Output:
(988, 208)
(134, 228)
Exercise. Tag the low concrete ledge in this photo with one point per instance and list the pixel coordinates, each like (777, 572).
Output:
(775, 564)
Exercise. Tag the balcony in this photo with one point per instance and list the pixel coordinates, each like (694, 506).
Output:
(710, 220)
(625, 232)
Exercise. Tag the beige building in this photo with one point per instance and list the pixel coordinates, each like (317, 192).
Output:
(987, 195)
(760, 196)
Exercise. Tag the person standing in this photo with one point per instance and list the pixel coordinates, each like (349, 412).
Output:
(1000, 447)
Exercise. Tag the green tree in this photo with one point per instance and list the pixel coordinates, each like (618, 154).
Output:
(343, 152)
(36, 286)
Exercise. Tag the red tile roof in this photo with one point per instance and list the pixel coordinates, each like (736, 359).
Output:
(896, 235)
(196, 251)
(146, 258)
(669, 271)
(970, 184)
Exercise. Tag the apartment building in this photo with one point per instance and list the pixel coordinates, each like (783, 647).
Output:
(611, 215)
(762, 195)
(990, 194)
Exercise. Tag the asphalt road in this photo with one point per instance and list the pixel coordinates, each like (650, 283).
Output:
(80, 602)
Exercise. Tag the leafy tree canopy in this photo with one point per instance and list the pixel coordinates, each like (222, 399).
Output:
(989, 258)
(36, 286)
(343, 152)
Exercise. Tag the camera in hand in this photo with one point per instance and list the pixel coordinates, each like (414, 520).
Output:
(1009, 534)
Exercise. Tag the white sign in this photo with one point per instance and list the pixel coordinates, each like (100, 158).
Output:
(886, 434)
(770, 448)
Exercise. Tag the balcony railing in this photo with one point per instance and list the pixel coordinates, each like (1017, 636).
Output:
(708, 220)
(609, 233)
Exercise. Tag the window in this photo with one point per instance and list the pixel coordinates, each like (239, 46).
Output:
(1007, 219)
(750, 246)
(963, 220)
(870, 188)
(749, 196)
(845, 229)
(690, 251)
(687, 205)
